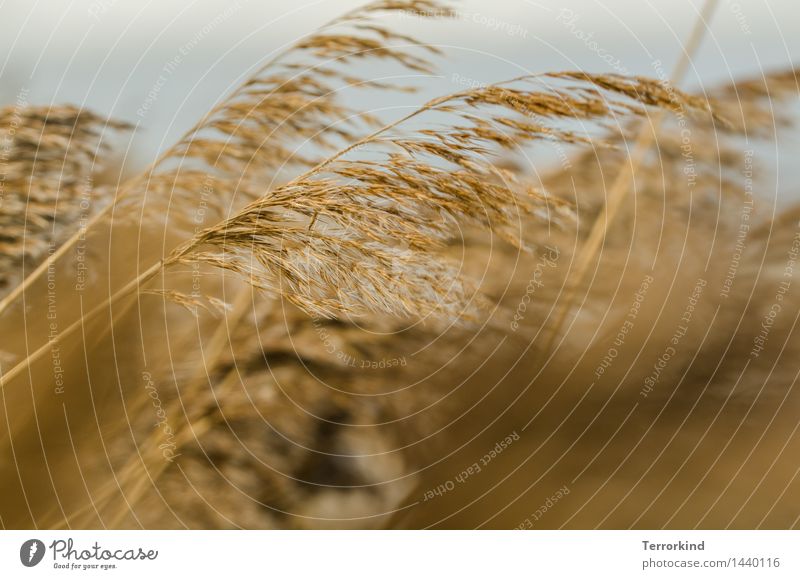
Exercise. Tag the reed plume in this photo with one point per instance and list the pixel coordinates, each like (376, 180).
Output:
(242, 145)
(329, 241)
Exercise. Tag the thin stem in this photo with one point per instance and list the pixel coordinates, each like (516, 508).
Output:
(121, 293)
(621, 185)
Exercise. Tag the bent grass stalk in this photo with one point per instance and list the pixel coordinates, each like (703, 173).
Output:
(147, 275)
(127, 290)
(621, 184)
(585, 106)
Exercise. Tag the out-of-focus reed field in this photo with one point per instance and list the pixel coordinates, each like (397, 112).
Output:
(302, 317)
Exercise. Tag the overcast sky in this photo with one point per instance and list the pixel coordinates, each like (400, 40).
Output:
(108, 54)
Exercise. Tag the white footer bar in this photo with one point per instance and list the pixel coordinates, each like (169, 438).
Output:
(401, 554)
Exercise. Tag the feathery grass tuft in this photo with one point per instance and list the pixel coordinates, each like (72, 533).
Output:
(48, 159)
(356, 234)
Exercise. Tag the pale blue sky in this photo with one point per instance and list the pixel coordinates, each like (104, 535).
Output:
(108, 54)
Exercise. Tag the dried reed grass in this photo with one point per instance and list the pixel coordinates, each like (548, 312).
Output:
(276, 432)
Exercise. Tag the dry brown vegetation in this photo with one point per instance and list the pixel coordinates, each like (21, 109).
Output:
(371, 308)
